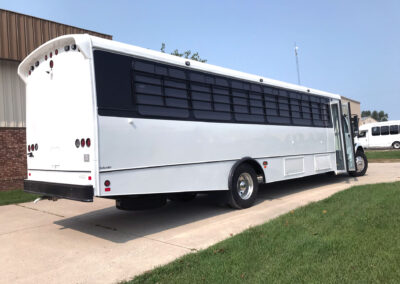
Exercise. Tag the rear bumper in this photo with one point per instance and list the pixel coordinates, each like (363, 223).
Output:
(69, 191)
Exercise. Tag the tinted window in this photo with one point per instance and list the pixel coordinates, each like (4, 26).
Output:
(113, 88)
(394, 129)
(376, 131)
(131, 87)
(384, 130)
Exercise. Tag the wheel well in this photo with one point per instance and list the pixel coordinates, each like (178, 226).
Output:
(251, 162)
(361, 149)
(395, 142)
(257, 168)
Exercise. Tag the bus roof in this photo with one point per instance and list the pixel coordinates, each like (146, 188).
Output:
(84, 42)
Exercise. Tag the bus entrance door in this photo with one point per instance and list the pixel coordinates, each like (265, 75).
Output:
(348, 137)
(337, 127)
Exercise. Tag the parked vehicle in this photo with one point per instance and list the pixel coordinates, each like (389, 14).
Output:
(380, 135)
(117, 121)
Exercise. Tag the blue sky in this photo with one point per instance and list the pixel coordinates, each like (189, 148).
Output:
(347, 47)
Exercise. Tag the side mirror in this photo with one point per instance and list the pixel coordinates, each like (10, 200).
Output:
(354, 125)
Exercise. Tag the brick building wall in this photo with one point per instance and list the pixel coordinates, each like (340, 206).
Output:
(12, 158)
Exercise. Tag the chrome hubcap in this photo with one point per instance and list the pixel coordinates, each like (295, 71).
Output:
(396, 145)
(360, 164)
(245, 186)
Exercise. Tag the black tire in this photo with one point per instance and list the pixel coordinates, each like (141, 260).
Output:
(360, 172)
(183, 197)
(396, 145)
(236, 200)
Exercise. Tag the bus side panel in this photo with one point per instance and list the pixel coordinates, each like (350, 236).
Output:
(204, 176)
(196, 177)
(154, 156)
(136, 143)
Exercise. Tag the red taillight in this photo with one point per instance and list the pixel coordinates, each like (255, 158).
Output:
(51, 54)
(82, 142)
(107, 189)
(29, 148)
(107, 183)
(32, 147)
(51, 63)
(56, 51)
(88, 142)
(45, 57)
(89, 178)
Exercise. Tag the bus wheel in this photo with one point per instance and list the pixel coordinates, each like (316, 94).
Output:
(244, 188)
(396, 145)
(362, 165)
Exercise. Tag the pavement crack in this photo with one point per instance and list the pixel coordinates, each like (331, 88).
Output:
(171, 244)
(24, 229)
(43, 211)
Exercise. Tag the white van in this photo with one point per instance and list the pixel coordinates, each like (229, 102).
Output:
(380, 135)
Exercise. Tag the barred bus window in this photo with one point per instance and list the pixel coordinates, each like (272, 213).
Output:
(175, 84)
(176, 73)
(211, 115)
(160, 70)
(221, 82)
(200, 96)
(147, 79)
(144, 67)
(147, 89)
(221, 99)
(158, 90)
(149, 100)
(154, 111)
(256, 88)
(175, 93)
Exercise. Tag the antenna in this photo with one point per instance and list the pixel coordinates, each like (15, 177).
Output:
(296, 48)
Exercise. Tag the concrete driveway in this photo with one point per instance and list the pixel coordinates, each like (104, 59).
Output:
(73, 242)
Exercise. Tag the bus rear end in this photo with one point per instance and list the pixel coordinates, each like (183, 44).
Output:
(60, 120)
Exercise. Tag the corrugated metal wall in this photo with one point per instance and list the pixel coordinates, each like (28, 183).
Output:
(12, 95)
(20, 34)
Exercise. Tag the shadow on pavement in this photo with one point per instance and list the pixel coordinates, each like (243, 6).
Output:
(122, 226)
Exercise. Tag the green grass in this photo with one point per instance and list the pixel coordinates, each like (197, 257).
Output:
(353, 236)
(15, 196)
(374, 155)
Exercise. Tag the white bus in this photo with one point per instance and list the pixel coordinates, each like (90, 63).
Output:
(112, 120)
(380, 135)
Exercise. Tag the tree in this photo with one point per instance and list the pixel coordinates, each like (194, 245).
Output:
(186, 54)
(378, 116)
(383, 116)
(365, 113)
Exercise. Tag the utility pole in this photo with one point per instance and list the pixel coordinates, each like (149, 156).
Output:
(296, 48)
